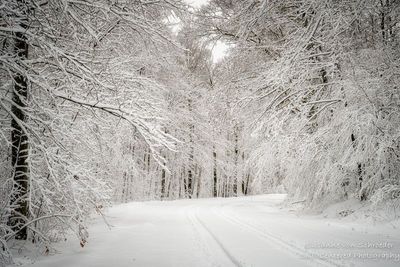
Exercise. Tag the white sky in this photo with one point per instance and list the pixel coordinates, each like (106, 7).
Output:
(196, 3)
(218, 49)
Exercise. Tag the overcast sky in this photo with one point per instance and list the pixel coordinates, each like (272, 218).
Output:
(219, 49)
(196, 3)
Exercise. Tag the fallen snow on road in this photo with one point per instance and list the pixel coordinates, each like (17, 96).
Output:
(247, 231)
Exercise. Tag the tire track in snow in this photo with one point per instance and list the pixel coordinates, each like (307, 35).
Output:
(276, 240)
(198, 224)
(337, 237)
(196, 229)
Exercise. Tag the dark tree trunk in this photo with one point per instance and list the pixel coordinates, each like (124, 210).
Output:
(198, 183)
(245, 184)
(20, 144)
(236, 155)
(124, 197)
(191, 155)
(244, 179)
(386, 24)
(215, 173)
(163, 189)
(360, 169)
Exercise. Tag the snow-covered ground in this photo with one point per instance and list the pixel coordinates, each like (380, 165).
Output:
(248, 231)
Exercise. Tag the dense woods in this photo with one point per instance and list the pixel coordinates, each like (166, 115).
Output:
(318, 83)
(103, 101)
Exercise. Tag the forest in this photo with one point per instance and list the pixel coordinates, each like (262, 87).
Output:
(113, 101)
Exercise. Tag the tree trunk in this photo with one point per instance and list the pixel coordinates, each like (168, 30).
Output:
(191, 155)
(236, 159)
(215, 193)
(163, 176)
(20, 147)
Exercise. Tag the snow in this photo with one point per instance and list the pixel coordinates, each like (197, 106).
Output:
(244, 231)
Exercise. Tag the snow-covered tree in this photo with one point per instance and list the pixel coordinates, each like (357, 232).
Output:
(71, 71)
(313, 78)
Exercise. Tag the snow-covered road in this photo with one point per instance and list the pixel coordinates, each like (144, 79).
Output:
(249, 231)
